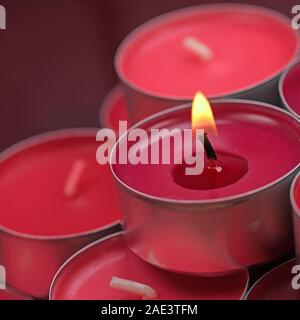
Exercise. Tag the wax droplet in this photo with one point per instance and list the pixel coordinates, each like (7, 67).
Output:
(225, 171)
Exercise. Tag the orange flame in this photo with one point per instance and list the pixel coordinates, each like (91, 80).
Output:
(202, 115)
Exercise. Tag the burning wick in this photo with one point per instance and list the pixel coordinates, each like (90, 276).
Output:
(137, 288)
(209, 150)
(73, 181)
(198, 48)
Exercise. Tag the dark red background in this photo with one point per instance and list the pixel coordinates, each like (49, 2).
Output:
(56, 58)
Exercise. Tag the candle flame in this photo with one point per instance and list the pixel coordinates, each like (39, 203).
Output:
(202, 115)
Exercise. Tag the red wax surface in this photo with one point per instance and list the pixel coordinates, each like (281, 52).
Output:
(276, 285)
(87, 276)
(291, 88)
(32, 182)
(267, 138)
(227, 169)
(250, 45)
(113, 109)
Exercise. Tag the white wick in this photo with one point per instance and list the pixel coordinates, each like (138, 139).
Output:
(198, 48)
(72, 184)
(134, 287)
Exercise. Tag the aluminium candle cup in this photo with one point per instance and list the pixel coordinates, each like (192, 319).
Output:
(295, 200)
(148, 37)
(87, 275)
(113, 109)
(289, 88)
(230, 230)
(31, 254)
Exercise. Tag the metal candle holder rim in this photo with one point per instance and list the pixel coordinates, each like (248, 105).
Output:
(294, 63)
(95, 243)
(34, 141)
(220, 201)
(295, 206)
(78, 253)
(186, 11)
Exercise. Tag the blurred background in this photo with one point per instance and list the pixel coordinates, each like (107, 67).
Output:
(56, 58)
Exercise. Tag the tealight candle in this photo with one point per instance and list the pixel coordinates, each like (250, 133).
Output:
(222, 227)
(289, 88)
(275, 284)
(166, 60)
(108, 270)
(113, 109)
(55, 199)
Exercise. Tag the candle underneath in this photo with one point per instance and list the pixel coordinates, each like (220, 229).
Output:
(231, 31)
(134, 287)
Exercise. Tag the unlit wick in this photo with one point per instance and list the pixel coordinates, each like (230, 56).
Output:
(72, 184)
(198, 48)
(134, 287)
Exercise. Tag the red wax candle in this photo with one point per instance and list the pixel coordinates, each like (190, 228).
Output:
(87, 275)
(248, 46)
(276, 284)
(113, 109)
(201, 224)
(44, 219)
(289, 88)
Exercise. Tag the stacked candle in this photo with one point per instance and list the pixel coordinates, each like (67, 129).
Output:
(295, 200)
(289, 88)
(224, 50)
(55, 199)
(282, 282)
(107, 269)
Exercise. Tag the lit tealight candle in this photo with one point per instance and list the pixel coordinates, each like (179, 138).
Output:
(242, 192)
